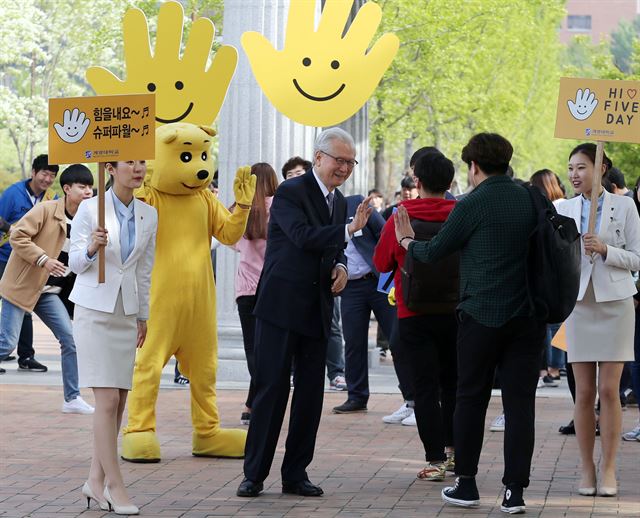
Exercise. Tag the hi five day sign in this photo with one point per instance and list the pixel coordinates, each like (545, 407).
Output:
(599, 109)
(101, 128)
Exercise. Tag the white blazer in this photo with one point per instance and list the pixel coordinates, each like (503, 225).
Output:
(620, 231)
(133, 277)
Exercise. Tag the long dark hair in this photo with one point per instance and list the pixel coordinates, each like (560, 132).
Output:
(266, 185)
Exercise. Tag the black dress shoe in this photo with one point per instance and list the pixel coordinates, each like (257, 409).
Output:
(349, 407)
(568, 429)
(249, 488)
(302, 488)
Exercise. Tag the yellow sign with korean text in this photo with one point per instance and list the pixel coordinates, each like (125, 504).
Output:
(101, 128)
(599, 109)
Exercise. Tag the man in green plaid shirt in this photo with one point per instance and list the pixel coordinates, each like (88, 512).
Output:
(490, 227)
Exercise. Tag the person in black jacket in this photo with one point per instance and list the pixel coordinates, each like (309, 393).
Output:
(304, 268)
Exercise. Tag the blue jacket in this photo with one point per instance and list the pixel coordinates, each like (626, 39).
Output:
(366, 243)
(15, 202)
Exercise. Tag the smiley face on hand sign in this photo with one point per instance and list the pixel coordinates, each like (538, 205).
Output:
(320, 77)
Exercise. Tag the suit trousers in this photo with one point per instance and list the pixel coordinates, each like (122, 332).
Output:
(359, 298)
(515, 349)
(274, 350)
(430, 342)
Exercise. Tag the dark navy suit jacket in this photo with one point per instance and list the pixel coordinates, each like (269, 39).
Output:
(303, 246)
(366, 243)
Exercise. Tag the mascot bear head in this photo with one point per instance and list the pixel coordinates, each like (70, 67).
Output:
(183, 162)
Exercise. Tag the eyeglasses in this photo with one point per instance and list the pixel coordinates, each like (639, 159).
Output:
(341, 161)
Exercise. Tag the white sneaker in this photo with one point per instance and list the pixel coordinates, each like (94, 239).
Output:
(498, 424)
(399, 415)
(633, 435)
(338, 383)
(77, 406)
(411, 420)
(540, 383)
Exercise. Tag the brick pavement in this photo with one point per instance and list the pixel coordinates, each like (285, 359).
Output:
(365, 467)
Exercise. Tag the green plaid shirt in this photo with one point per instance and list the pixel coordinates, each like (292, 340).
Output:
(491, 228)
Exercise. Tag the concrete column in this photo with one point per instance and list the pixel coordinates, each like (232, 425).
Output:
(251, 130)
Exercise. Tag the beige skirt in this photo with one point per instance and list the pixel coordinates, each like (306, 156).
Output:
(600, 331)
(106, 346)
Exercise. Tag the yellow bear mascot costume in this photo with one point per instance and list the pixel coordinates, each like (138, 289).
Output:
(182, 319)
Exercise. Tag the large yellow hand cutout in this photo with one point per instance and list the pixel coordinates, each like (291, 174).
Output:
(321, 78)
(185, 90)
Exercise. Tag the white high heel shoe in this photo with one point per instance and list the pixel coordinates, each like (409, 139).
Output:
(86, 491)
(119, 509)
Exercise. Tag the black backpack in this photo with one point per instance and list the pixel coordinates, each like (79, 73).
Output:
(430, 288)
(553, 262)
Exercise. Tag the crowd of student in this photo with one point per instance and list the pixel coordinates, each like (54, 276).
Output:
(458, 319)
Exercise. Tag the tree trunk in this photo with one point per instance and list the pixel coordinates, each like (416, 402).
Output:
(378, 167)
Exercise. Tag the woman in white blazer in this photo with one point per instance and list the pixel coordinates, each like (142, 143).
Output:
(111, 318)
(600, 331)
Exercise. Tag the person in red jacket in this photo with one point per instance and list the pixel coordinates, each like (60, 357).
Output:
(430, 339)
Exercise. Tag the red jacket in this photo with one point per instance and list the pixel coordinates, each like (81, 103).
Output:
(389, 254)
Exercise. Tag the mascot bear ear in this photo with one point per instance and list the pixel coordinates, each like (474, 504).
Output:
(208, 130)
(170, 136)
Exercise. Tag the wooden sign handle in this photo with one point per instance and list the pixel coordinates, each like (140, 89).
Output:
(595, 191)
(101, 251)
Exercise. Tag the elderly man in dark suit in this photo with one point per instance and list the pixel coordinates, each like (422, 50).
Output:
(359, 298)
(304, 268)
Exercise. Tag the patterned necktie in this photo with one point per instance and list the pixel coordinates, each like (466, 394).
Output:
(330, 203)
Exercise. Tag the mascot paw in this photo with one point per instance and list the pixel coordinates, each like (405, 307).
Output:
(140, 447)
(224, 443)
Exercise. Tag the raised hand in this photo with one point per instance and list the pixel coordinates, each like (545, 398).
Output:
(363, 211)
(244, 186)
(185, 90)
(74, 126)
(403, 226)
(321, 78)
(584, 104)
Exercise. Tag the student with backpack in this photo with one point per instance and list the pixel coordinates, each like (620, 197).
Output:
(496, 326)
(426, 297)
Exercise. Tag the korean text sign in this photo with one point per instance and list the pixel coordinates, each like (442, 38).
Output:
(599, 109)
(101, 128)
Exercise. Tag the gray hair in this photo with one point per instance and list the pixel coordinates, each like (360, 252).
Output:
(323, 140)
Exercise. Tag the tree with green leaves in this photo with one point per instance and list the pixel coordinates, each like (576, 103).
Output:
(46, 47)
(470, 66)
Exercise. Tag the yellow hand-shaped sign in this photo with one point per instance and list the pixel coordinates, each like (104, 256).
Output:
(321, 78)
(185, 90)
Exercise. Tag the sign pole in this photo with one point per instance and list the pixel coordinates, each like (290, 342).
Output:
(595, 191)
(101, 251)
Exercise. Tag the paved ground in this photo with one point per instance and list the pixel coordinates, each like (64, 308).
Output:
(365, 467)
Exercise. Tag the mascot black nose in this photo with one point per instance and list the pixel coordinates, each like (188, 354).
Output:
(203, 174)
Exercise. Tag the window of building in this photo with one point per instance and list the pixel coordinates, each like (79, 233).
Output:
(579, 22)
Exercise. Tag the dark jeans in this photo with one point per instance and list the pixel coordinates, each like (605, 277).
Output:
(401, 364)
(515, 349)
(246, 304)
(25, 340)
(430, 342)
(359, 298)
